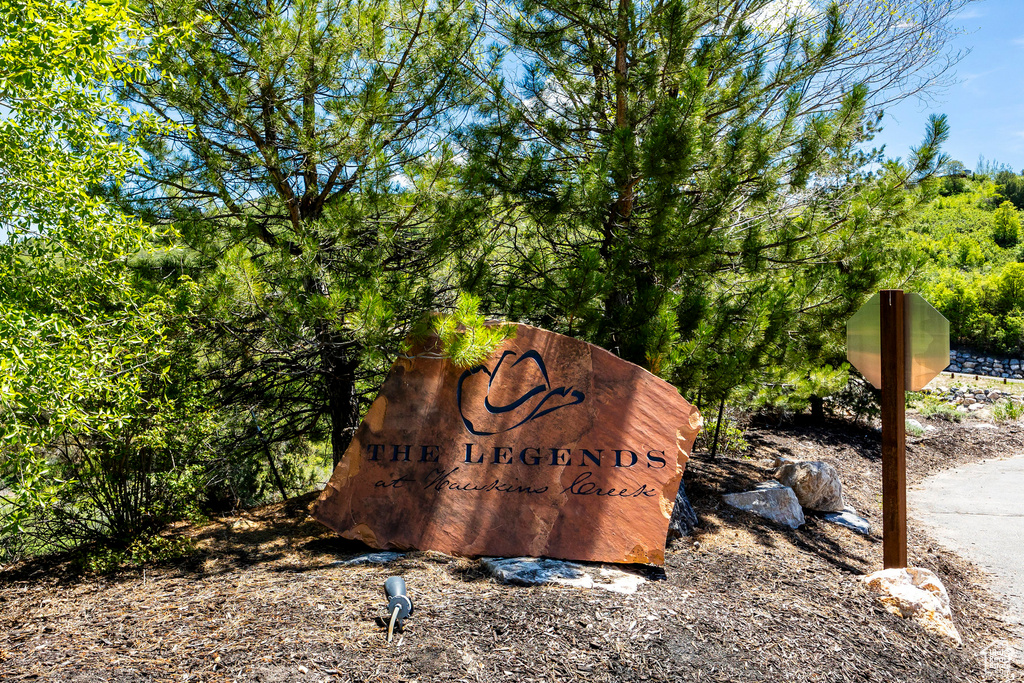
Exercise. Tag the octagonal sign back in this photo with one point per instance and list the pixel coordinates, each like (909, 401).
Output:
(926, 334)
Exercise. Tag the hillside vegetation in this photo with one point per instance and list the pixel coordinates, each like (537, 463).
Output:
(967, 241)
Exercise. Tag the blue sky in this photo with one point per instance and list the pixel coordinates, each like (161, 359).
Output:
(985, 104)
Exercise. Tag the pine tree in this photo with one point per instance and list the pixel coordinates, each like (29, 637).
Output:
(310, 190)
(681, 181)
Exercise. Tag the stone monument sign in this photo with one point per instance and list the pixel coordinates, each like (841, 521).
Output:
(553, 447)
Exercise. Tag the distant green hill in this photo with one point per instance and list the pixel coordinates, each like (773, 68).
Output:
(968, 242)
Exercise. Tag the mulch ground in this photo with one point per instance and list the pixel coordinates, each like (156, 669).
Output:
(264, 598)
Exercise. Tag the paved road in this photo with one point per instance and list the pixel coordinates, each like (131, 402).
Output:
(978, 511)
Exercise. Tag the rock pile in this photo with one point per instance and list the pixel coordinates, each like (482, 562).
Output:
(976, 364)
(800, 485)
(973, 398)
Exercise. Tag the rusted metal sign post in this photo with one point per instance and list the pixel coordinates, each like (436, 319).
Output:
(894, 430)
(898, 342)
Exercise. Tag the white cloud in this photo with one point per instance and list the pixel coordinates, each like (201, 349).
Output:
(974, 83)
(971, 13)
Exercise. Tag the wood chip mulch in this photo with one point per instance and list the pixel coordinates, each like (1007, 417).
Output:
(265, 598)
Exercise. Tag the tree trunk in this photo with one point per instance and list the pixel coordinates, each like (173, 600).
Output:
(339, 372)
(344, 407)
(817, 409)
(619, 301)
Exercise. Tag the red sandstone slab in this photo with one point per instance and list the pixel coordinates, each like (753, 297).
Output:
(554, 447)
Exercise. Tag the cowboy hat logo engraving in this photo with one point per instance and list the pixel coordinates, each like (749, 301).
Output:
(523, 408)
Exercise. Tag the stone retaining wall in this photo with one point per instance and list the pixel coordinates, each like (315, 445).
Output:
(972, 363)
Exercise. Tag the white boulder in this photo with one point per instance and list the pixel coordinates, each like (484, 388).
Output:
(815, 483)
(917, 593)
(770, 500)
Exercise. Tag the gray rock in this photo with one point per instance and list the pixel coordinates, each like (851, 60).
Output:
(850, 519)
(531, 571)
(770, 500)
(815, 483)
(976, 407)
(683, 519)
(914, 424)
(369, 558)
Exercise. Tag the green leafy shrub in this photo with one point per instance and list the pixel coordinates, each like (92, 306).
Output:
(730, 437)
(134, 460)
(148, 550)
(1007, 411)
(914, 430)
(967, 269)
(938, 410)
(857, 399)
(1005, 225)
(242, 477)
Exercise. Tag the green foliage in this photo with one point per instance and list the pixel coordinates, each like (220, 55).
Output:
(1007, 411)
(934, 409)
(688, 191)
(466, 338)
(242, 479)
(1005, 225)
(955, 233)
(955, 180)
(93, 375)
(966, 269)
(730, 437)
(857, 399)
(313, 193)
(55, 59)
(914, 430)
(984, 311)
(109, 447)
(793, 390)
(142, 551)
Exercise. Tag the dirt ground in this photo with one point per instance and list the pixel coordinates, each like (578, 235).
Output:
(265, 598)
